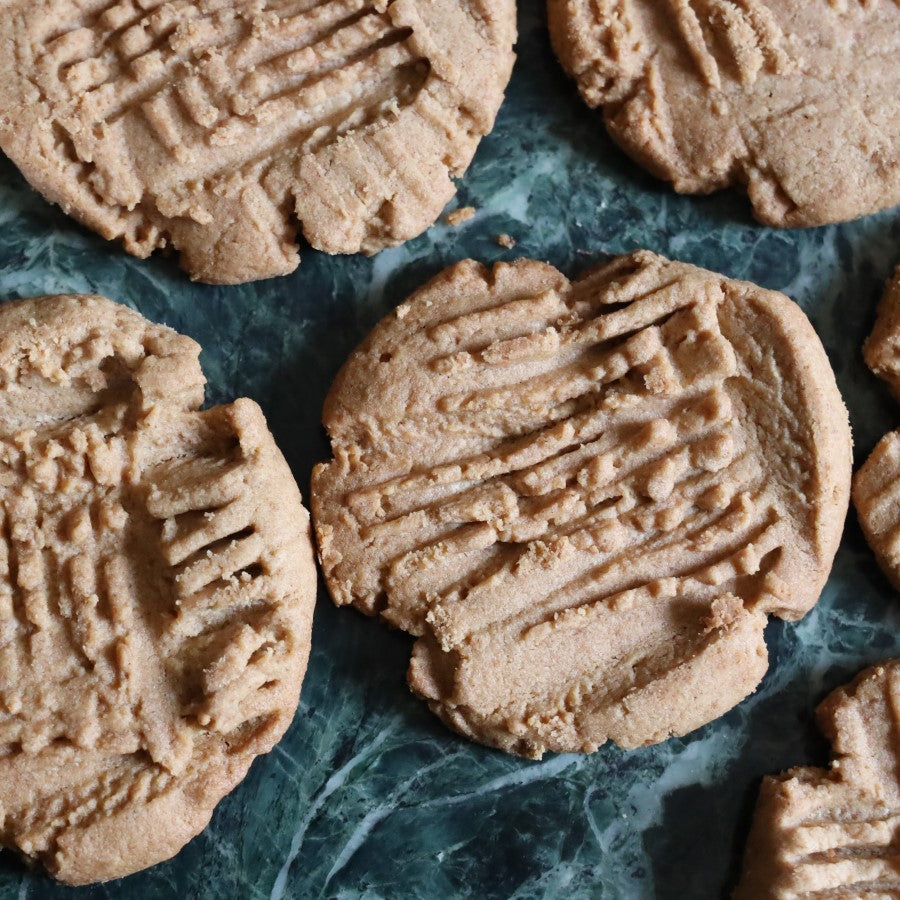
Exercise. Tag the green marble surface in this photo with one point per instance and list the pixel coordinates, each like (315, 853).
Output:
(368, 795)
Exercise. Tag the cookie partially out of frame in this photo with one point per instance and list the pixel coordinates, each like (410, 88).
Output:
(224, 128)
(156, 589)
(794, 101)
(584, 498)
(882, 347)
(876, 486)
(832, 832)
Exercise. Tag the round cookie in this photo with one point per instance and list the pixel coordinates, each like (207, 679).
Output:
(224, 127)
(584, 498)
(797, 102)
(876, 486)
(157, 584)
(832, 832)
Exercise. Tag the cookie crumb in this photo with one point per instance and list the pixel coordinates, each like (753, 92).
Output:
(458, 216)
(506, 240)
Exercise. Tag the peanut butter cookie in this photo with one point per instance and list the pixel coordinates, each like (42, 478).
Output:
(832, 832)
(584, 498)
(795, 101)
(156, 589)
(876, 486)
(224, 127)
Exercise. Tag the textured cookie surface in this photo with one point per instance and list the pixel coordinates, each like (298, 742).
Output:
(876, 486)
(584, 498)
(882, 348)
(223, 127)
(156, 589)
(833, 832)
(796, 101)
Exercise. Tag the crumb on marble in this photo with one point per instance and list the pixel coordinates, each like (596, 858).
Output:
(458, 216)
(506, 240)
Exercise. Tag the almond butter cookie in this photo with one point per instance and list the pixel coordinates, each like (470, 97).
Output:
(832, 832)
(797, 102)
(584, 498)
(157, 584)
(876, 486)
(224, 127)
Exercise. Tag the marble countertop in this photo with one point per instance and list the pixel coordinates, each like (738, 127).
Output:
(368, 795)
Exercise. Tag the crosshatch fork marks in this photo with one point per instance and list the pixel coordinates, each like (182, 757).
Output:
(876, 487)
(833, 832)
(583, 498)
(156, 588)
(794, 102)
(216, 126)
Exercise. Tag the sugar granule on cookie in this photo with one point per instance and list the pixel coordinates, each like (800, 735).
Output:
(157, 584)
(832, 832)
(795, 102)
(225, 129)
(584, 498)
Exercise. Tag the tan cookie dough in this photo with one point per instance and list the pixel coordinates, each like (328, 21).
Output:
(584, 498)
(223, 128)
(157, 584)
(876, 486)
(832, 832)
(795, 101)
(882, 348)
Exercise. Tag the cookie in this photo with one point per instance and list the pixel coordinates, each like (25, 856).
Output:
(223, 128)
(156, 589)
(583, 498)
(832, 832)
(882, 348)
(796, 102)
(876, 486)
(876, 496)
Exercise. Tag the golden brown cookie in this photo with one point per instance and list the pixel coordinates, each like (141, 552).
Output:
(876, 485)
(882, 348)
(876, 496)
(795, 101)
(832, 832)
(584, 498)
(225, 127)
(156, 589)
